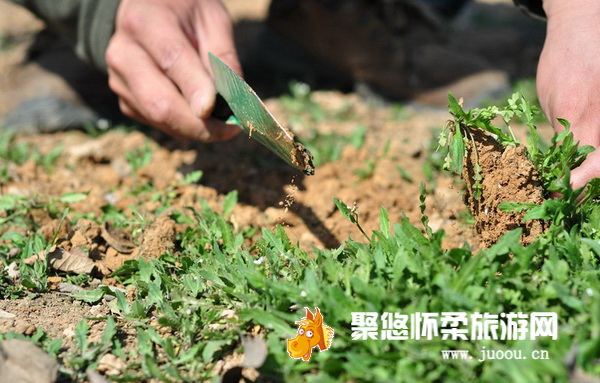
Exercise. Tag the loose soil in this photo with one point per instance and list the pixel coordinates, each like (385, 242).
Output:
(508, 175)
(266, 185)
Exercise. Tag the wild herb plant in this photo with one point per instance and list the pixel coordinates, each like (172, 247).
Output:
(15, 153)
(552, 164)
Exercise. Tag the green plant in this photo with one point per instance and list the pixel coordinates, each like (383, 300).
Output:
(328, 147)
(12, 152)
(371, 164)
(88, 353)
(552, 163)
(351, 214)
(302, 109)
(299, 103)
(138, 158)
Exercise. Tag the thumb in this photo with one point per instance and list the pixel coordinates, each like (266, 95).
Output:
(589, 169)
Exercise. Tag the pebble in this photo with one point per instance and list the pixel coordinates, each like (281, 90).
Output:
(24, 362)
(23, 327)
(6, 314)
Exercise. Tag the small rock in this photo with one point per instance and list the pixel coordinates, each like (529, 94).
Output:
(54, 282)
(68, 288)
(13, 270)
(6, 314)
(111, 365)
(98, 310)
(30, 330)
(13, 252)
(79, 240)
(108, 298)
(21, 327)
(24, 362)
(69, 333)
(255, 350)
(95, 377)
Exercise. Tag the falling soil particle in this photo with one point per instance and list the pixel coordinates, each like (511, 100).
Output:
(508, 175)
(287, 202)
(289, 198)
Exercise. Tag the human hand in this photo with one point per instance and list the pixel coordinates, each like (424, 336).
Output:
(158, 64)
(568, 77)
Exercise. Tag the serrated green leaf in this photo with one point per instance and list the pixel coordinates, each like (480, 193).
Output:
(110, 331)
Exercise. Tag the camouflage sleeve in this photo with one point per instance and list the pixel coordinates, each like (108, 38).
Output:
(86, 24)
(531, 7)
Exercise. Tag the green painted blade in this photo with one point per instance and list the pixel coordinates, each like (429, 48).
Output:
(256, 120)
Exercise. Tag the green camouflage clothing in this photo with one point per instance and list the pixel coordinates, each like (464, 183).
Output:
(89, 24)
(86, 24)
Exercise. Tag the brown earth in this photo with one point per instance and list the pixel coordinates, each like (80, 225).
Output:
(270, 193)
(508, 175)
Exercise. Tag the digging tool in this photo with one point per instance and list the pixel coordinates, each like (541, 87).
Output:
(256, 120)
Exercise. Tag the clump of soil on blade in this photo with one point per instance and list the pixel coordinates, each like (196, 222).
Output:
(507, 175)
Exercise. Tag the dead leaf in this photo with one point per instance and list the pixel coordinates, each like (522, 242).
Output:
(74, 261)
(34, 258)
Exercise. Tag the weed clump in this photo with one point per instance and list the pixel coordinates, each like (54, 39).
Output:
(499, 171)
(509, 176)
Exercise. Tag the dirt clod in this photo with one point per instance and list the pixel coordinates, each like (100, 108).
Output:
(507, 175)
(159, 238)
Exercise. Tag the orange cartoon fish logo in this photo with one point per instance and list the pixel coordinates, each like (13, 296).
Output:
(311, 333)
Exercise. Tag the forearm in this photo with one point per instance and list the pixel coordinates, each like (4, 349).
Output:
(86, 24)
(555, 8)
